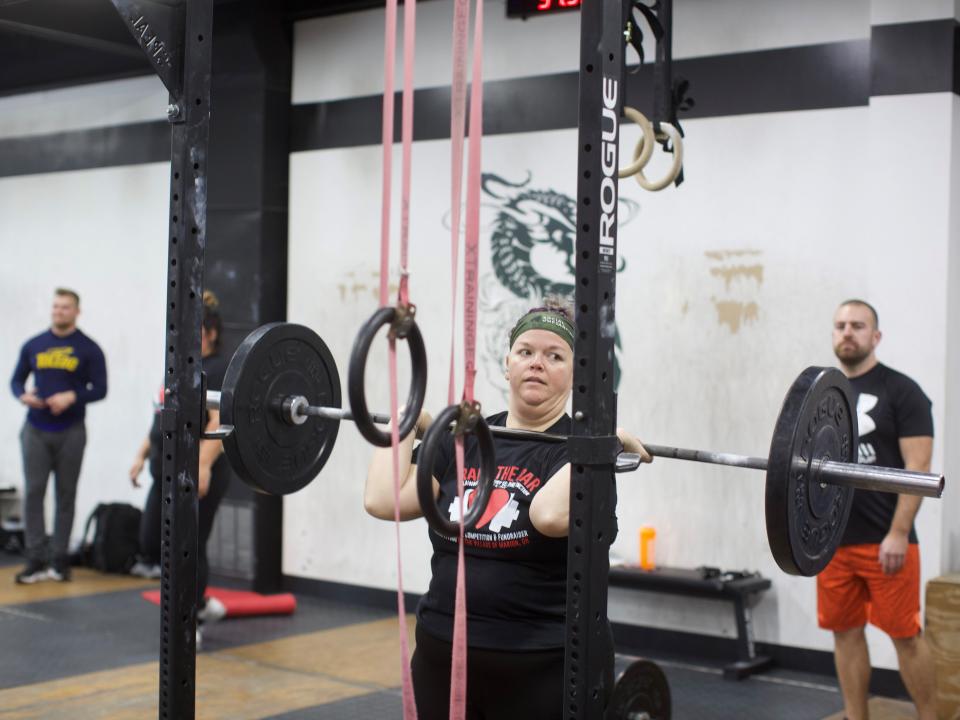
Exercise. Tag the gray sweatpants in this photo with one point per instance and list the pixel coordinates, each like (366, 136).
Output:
(60, 453)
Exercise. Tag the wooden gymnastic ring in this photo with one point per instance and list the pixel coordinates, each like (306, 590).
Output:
(671, 176)
(644, 149)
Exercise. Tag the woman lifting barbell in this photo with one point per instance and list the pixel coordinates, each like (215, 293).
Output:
(516, 583)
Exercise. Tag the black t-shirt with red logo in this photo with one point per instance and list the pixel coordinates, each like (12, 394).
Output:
(516, 577)
(889, 406)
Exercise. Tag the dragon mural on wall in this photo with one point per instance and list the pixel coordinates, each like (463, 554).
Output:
(532, 237)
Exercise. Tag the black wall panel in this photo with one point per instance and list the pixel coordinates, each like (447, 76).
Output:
(246, 255)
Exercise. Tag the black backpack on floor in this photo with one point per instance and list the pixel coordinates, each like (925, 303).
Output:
(116, 538)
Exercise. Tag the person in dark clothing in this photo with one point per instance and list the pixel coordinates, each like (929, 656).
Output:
(150, 453)
(875, 575)
(69, 372)
(214, 475)
(517, 554)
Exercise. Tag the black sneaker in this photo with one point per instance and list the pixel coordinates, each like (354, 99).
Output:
(34, 572)
(60, 570)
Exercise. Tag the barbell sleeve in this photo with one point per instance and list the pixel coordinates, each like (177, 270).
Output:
(881, 479)
(830, 472)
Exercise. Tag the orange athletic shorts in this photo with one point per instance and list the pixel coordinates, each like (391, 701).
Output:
(853, 591)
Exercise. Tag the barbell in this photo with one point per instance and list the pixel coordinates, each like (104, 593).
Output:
(296, 410)
(280, 413)
(265, 412)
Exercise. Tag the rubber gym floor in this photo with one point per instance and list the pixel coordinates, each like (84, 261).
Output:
(88, 649)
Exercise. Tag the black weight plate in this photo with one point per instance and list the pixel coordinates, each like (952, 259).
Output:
(806, 519)
(641, 687)
(274, 362)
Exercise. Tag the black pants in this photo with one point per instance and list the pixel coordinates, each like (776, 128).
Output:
(150, 525)
(501, 685)
(152, 512)
(219, 482)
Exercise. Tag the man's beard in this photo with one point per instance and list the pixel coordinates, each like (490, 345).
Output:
(851, 357)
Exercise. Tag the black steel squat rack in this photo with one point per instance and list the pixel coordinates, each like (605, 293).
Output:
(176, 36)
(588, 662)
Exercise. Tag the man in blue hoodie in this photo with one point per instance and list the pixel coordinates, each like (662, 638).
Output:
(68, 371)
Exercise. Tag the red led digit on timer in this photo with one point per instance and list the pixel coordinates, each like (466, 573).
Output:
(548, 4)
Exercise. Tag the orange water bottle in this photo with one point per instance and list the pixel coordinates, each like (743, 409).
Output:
(648, 536)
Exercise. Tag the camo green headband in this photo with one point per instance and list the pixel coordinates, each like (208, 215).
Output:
(544, 319)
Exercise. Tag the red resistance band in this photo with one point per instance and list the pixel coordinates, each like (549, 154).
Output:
(458, 671)
(409, 34)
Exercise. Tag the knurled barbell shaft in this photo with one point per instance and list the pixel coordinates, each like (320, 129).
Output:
(831, 472)
(706, 456)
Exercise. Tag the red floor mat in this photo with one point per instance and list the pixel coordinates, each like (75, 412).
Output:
(240, 603)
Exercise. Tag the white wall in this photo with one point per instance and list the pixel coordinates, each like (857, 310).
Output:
(103, 233)
(827, 205)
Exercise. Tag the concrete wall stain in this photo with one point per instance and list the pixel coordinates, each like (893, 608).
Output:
(742, 276)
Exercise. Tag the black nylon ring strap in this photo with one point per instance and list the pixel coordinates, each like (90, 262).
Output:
(356, 374)
(425, 462)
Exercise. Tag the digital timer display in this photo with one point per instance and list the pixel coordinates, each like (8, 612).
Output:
(532, 8)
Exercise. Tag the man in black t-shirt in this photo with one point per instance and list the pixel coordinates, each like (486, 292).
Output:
(875, 575)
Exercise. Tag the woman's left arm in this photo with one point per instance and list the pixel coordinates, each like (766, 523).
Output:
(550, 507)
